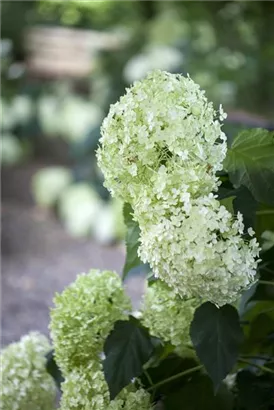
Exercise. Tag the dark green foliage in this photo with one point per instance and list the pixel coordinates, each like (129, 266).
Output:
(250, 162)
(198, 394)
(216, 335)
(53, 369)
(132, 241)
(255, 392)
(165, 368)
(127, 348)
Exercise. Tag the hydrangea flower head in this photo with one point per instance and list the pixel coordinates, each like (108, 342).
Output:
(167, 315)
(84, 315)
(85, 388)
(161, 135)
(26, 385)
(201, 252)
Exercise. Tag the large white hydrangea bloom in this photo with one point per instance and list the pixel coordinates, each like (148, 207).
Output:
(162, 135)
(85, 388)
(161, 146)
(26, 385)
(167, 315)
(84, 315)
(200, 252)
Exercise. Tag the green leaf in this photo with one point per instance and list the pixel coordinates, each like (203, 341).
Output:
(263, 291)
(216, 335)
(198, 394)
(246, 205)
(53, 369)
(228, 203)
(259, 336)
(132, 241)
(264, 220)
(250, 162)
(255, 392)
(127, 348)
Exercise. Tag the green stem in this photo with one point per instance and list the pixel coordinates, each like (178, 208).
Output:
(265, 212)
(259, 366)
(176, 376)
(250, 356)
(266, 282)
(148, 377)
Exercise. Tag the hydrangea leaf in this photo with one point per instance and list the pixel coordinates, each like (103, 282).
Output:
(132, 241)
(127, 348)
(228, 203)
(245, 203)
(250, 162)
(216, 335)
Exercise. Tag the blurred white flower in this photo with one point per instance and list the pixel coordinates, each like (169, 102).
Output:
(11, 150)
(161, 57)
(70, 118)
(49, 183)
(268, 240)
(109, 224)
(5, 47)
(6, 117)
(22, 109)
(48, 115)
(79, 206)
(77, 117)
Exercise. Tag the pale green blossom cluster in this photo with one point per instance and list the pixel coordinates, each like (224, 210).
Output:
(167, 315)
(162, 136)
(161, 146)
(26, 385)
(201, 253)
(83, 317)
(85, 388)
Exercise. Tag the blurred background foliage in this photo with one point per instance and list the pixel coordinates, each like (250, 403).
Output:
(54, 97)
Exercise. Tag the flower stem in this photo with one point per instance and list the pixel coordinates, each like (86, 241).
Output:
(148, 377)
(259, 366)
(176, 376)
(266, 282)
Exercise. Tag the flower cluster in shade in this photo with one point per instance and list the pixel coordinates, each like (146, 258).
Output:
(26, 385)
(167, 315)
(161, 146)
(85, 388)
(162, 136)
(83, 317)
